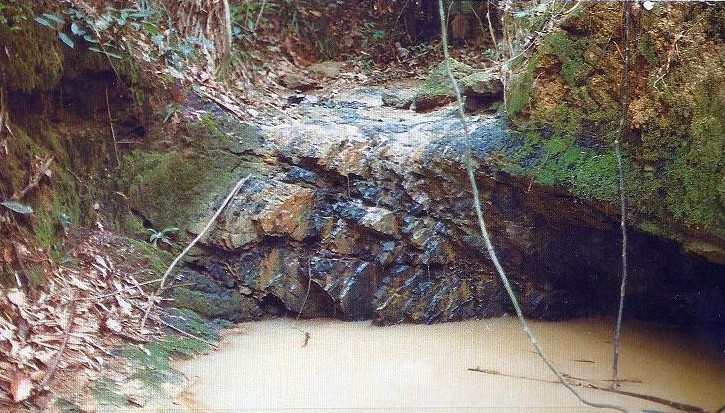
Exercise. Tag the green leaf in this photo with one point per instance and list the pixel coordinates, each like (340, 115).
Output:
(169, 230)
(107, 53)
(170, 110)
(54, 17)
(76, 29)
(113, 55)
(65, 39)
(44, 22)
(17, 207)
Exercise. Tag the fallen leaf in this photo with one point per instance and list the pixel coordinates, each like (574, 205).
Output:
(17, 297)
(20, 387)
(17, 207)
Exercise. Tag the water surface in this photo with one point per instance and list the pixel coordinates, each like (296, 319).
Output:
(271, 366)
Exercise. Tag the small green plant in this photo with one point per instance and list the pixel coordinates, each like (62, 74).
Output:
(171, 109)
(370, 33)
(368, 64)
(162, 236)
(65, 220)
(245, 18)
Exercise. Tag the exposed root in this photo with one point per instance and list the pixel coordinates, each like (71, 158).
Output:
(468, 161)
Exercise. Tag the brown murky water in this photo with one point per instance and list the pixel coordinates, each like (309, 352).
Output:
(355, 367)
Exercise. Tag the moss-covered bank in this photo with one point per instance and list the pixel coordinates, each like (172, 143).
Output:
(565, 99)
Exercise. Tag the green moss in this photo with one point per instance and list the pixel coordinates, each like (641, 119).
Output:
(171, 188)
(596, 176)
(30, 59)
(674, 162)
(438, 84)
(680, 161)
(520, 89)
(229, 305)
(205, 129)
(570, 52)
(44, 226)
(167, 187)
(66, 406)
(696, 172)
(647, 50)
(153, 361)
(155, 260)
(107, 392)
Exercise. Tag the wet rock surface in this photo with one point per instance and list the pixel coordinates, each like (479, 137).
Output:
(366, 212)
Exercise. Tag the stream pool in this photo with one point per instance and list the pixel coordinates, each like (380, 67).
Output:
(272, 366)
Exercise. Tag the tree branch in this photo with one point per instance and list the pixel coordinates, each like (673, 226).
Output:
(152, 297)
(623, 209)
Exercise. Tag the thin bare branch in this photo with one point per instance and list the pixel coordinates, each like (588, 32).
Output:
(622, 203)
(34, 180)
(152, 297)
(484, 231)
(113, 131)
(68, 327)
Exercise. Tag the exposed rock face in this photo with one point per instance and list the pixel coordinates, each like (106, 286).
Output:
(368, 214)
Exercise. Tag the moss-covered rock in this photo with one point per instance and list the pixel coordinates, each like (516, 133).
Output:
(565, 101)
(170, 188)
(31, 58)
(474, 84)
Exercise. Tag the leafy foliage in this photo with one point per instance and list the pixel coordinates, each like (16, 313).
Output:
(162, 235)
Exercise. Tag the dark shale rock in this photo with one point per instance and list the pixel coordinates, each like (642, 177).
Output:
(213, 299)
(363, 218)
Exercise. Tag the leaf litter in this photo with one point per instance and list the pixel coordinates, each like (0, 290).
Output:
(51, 338)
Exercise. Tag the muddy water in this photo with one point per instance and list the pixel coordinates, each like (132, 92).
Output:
(267, 367)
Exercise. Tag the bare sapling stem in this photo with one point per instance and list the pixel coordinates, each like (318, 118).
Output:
(467, 158)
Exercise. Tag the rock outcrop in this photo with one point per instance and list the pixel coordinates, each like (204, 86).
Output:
(366, 212)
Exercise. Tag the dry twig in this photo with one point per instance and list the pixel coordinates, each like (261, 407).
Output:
(185, 333)
(113, 131)
(622, 204)
(34, 180)
(68, 327)
(577, 381)
(152, 297)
